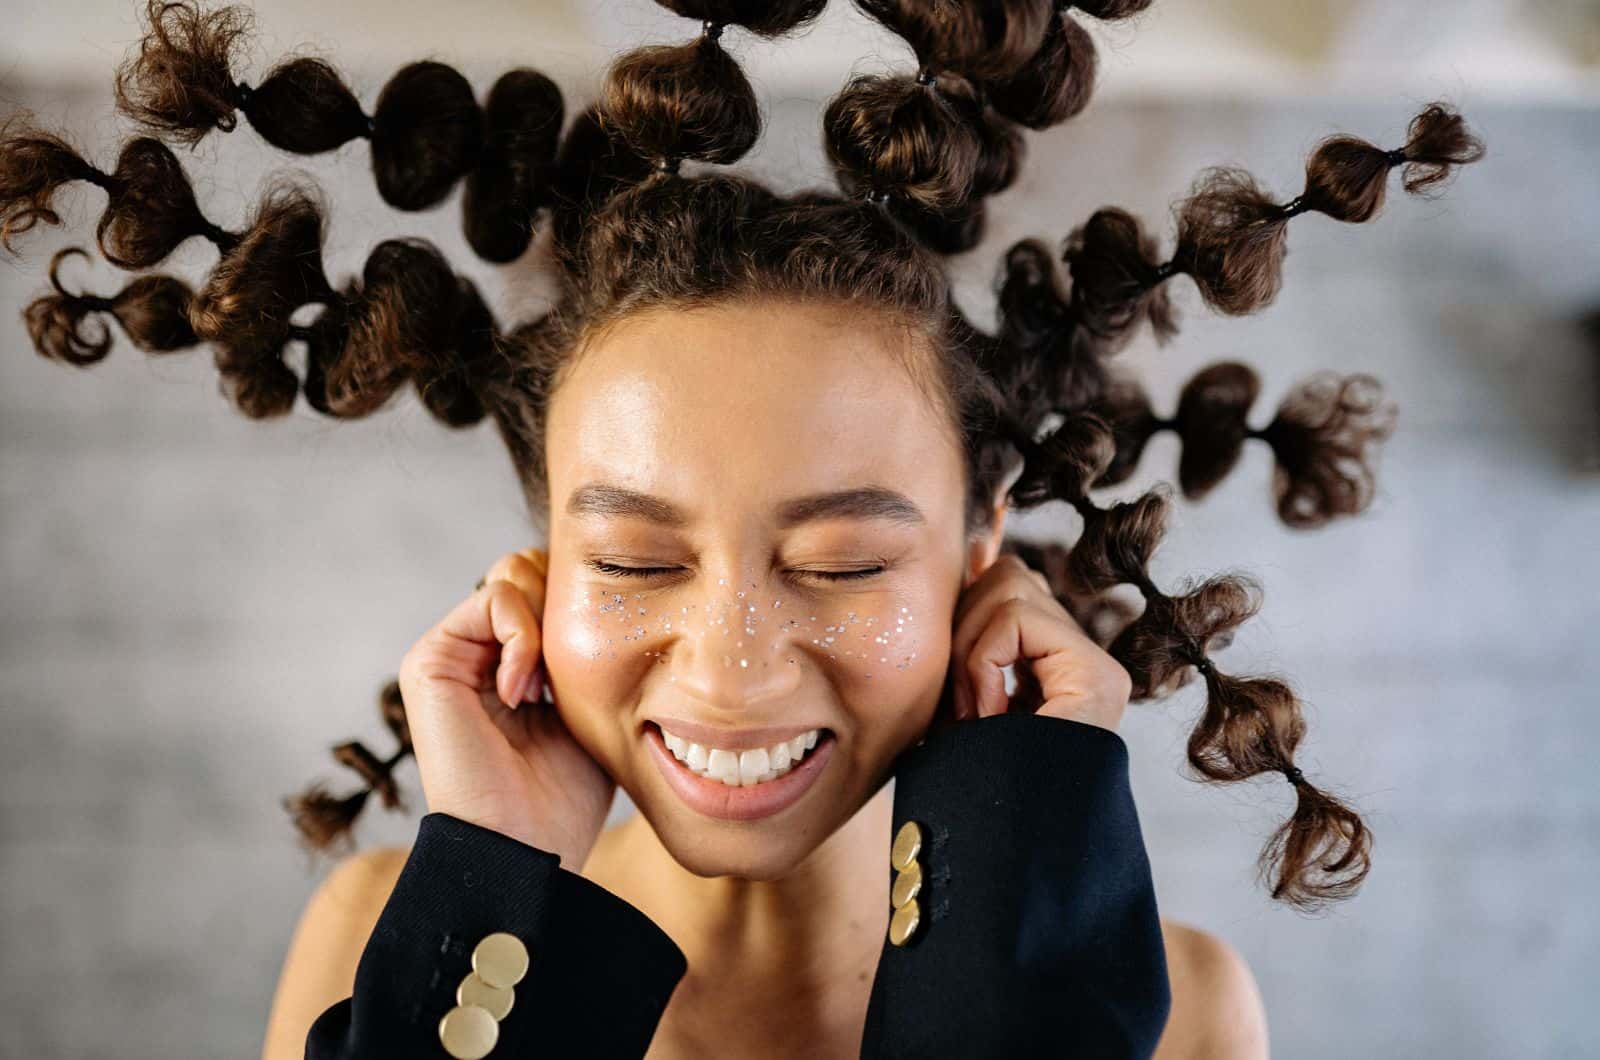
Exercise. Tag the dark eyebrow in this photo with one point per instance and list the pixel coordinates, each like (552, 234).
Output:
(864, 502)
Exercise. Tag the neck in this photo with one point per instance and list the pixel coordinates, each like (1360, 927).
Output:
(764, 947)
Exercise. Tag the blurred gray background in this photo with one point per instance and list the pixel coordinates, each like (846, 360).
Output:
(197, 606)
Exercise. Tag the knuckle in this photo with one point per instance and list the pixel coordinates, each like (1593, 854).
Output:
(497, 569)
(519, 568)
(1014, 605)
(1012, 563)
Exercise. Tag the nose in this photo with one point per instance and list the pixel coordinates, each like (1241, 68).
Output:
(736, 654)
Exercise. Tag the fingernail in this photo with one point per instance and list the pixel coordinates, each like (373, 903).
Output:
(516, 698)
(533, 691)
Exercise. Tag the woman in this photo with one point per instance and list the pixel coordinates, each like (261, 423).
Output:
(773, 463)
(776, 598)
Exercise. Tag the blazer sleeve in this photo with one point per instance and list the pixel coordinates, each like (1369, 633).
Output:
(599, 972)
(1038, 933)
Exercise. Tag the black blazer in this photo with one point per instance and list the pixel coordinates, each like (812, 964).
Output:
(1038, 933)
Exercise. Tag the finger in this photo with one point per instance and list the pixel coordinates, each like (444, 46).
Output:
(1007, 577)
(498, 615)
(1009, 581)
(528, 569)
(1018, 629)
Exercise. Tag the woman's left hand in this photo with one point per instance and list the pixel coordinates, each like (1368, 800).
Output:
(1008, 616)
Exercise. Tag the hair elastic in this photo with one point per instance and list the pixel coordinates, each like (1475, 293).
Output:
(711, 29)
(1397, 156)
(1294, 774)
(242, 94)
(667, 164)
(927, 77)
(223, 240)
(93, 303)
(100, 178)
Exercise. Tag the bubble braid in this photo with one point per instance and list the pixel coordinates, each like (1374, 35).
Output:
(932, 146)
(1041, 414)
(426, 131)
(1232, 234)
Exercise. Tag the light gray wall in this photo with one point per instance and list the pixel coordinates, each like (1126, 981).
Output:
(197, 606)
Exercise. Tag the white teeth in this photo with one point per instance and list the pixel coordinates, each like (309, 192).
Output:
(723, 765)
(752, 764)
(741, 769)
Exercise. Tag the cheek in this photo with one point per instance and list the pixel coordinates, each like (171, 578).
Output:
(891, 667)
(593, 656)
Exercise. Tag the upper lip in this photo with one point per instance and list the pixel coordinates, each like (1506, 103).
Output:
(732, 739)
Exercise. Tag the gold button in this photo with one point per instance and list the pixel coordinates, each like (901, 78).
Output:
(500, 959)
(904, 922)
(907, 844)
(907, 882)
(497, 999)
(468, 1032)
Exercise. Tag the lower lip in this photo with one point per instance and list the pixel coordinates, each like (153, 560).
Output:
(747, 802)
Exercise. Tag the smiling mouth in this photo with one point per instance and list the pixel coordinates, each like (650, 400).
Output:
(741, 768)
(718, 798)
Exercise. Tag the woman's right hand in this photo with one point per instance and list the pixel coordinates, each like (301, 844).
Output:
(490, 749)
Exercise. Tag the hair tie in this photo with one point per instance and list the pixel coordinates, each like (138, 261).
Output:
(877, 196)
(369, 127)
(1147, 588)
(1397, 156)
(926, 76)
(109, 181)
(1295, 205)
(95, 303)
(1163, 271)
(242, 94)
(1203, 664)
(667, 164)
(223, 240)
(711, 29)
(1294, 774)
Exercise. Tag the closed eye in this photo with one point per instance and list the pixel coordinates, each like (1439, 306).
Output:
(617, 570)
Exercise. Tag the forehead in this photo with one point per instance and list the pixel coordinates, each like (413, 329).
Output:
(753, 402)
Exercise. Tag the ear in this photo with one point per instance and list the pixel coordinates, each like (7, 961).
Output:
(983, 548)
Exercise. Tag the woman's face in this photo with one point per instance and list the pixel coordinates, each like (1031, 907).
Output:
(792, 502)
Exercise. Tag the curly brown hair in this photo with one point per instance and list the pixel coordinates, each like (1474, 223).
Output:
(1042, 412)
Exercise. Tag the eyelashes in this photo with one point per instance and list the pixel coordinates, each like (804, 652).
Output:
(616, 570)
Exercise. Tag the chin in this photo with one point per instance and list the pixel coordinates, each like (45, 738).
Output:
(711, 848)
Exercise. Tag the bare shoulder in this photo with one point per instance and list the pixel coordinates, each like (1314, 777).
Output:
(1217, 1012)
(319, 969)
